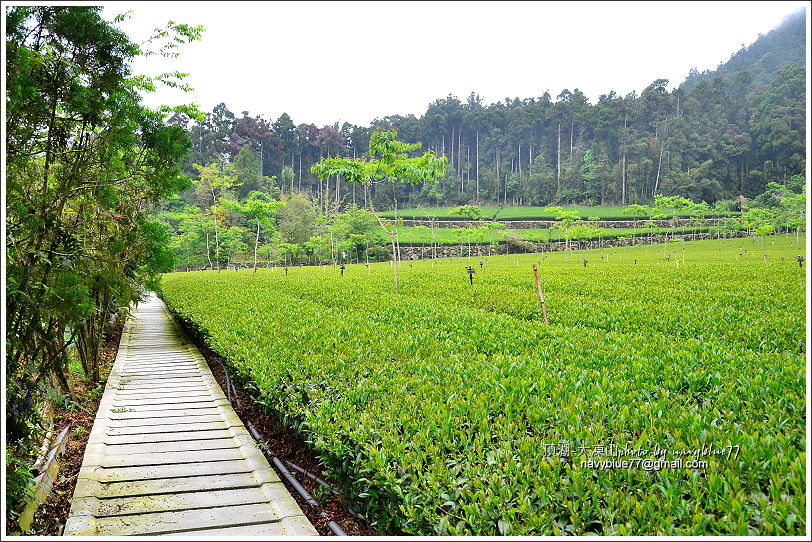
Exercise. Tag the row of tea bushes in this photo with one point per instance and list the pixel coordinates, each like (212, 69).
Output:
(452, 409)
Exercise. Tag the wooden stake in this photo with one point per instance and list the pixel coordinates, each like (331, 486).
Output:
(541, 295)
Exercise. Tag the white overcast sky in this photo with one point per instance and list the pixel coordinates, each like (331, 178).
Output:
(323, 62)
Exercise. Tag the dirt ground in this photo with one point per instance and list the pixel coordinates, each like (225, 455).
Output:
(50, 517)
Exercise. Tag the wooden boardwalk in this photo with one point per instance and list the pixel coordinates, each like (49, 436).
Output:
(167, 453)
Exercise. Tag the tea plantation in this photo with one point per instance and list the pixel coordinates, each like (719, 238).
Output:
(667, 395)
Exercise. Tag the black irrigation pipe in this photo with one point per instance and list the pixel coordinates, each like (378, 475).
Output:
(312, 476)
(335, 527)
(190, 331)
(230, 389)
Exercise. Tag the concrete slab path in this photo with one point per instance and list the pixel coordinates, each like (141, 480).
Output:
(168, 454)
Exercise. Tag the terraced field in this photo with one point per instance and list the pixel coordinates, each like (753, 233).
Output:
(453, 409)
(526, 213)
(422, 235)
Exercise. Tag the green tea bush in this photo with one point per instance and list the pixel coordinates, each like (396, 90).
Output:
(452, 409)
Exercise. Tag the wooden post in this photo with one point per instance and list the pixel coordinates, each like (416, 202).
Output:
(541, 295)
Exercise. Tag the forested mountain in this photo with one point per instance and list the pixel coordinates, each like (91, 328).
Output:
(716, 136)
(786, 43)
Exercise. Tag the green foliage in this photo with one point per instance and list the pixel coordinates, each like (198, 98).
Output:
(246, 170)
(393, 163)
(256, 209)
(19, 486)
(567, 216)
(636, 211)
(286, 178)
(671, 205)
(96, 392)
(85, 160)
(435, 410)
(160, 257)
(60, 400)
(214, 181)
(297, 219)
(472, 212)
(758, 218)
(355, 230)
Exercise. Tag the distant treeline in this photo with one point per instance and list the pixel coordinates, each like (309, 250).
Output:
(715, 137)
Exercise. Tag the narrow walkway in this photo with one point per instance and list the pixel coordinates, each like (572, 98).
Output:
(168, 455)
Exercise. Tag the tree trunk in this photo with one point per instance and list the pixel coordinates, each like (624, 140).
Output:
(256, 246)
(451, 162)
(660, 161)
(519, 159)
(459, 152)
(623, 181)
(468, 164)
(623, 168)
(318, 194)
(58, 370)
(216, 235)
(477, 166)
(395, 248)
(332, 252)
(558, 164)
(572, 136)
(459, 174)
(497, 173)
(208, 251)
(434, 244)
(659, 164)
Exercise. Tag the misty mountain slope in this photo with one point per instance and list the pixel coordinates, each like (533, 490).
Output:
(763, 58)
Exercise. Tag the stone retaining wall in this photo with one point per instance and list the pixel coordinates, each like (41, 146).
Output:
(455, 251)
(542, 224)
(420, 253)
